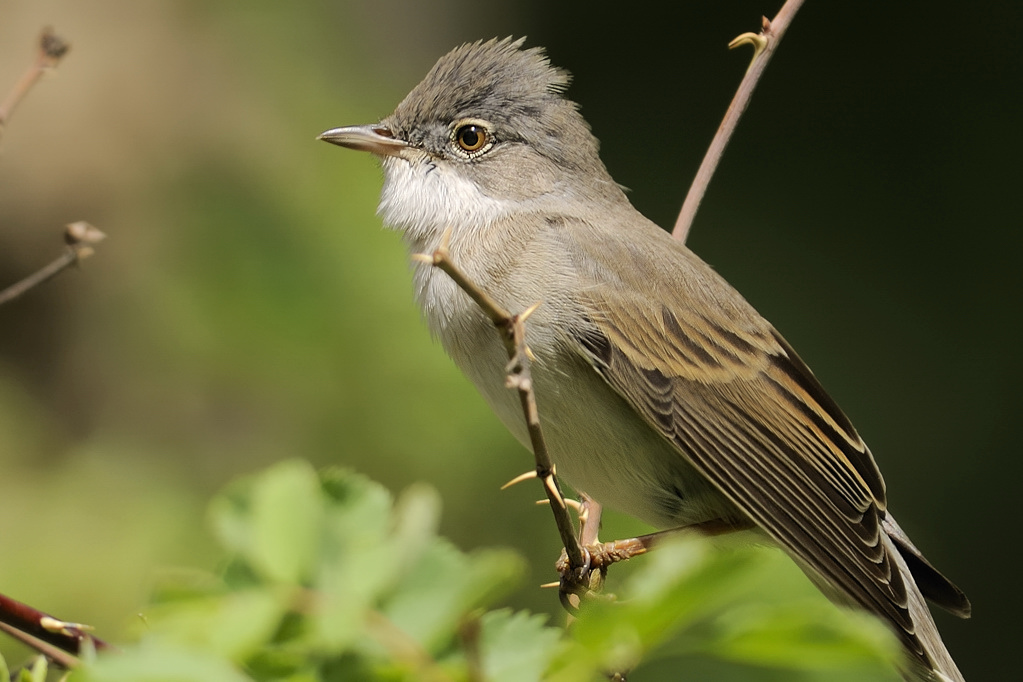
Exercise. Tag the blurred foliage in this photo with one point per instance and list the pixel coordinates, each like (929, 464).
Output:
(329, 580)
(36, 670)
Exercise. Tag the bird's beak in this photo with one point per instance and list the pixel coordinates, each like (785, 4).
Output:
(374, 138)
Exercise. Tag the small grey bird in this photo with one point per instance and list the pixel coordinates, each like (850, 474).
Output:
(661, 391)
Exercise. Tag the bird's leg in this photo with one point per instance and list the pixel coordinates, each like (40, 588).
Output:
(589, 520)
(575, 583)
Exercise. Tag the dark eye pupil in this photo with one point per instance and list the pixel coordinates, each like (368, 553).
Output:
(470, 136)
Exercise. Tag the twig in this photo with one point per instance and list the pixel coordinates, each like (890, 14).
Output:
(58, 640)
(470, 633)
(50, 51)
(80, 238)
(512, 330)
(764, 45)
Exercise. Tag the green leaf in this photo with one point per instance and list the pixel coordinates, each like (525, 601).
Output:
(747, 605)
(445, 584)
(359, 559)
(677, 585)
(416, 517)
(159, 663)
(516, 647)
(233, 625)
(273, 520)
(37, 673)
(807, 635)
(287, 511)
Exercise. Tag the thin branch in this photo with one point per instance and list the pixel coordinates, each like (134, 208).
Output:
(471, 632)
(51, 49)
(512, 330)
(80, 238)
(55, 654)
(764, 45)
(59, 641)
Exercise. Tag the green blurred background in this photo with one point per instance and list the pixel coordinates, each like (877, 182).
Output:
(247, 307)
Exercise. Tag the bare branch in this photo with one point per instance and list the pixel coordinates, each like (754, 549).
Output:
(59, 641)
(764, 45)
(471, 632)
(50, 51)
(512, 331)
(80, 238)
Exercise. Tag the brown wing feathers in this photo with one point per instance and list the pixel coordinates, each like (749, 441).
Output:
(749, 415)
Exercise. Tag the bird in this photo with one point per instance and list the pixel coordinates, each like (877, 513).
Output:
(662, 392)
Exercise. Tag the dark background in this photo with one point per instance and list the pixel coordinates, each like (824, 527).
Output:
(247, 307)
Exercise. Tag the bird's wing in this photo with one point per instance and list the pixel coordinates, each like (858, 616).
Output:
(714, 378)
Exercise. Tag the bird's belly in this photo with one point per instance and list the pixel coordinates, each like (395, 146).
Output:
(598, 443)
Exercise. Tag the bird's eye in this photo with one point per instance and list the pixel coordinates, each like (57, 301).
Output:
(472, 137)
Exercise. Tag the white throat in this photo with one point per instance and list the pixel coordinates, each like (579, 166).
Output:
(423, 199)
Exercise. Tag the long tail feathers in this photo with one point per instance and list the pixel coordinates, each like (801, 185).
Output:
(936, 664)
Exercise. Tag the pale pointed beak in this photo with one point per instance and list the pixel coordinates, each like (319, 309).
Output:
(373, 138)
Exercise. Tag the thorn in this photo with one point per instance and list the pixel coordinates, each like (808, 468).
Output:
(53, 625)
(524, 315)
(547, 586)
(757, 40)
(529, 354)
(552, 488)
(422, 258)
(519, 479)
(445, 241)
(569, 502)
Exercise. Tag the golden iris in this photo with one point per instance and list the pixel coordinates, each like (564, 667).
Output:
(471, 137)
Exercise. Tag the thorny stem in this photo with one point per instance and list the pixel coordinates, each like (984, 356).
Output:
(764, 45)
(512, 330)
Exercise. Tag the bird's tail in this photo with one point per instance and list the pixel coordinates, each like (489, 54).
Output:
(930, 661)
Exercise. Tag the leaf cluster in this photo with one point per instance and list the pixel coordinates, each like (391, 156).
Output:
(331, 579)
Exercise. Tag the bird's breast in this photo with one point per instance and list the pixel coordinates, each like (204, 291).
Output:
(597, 440)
